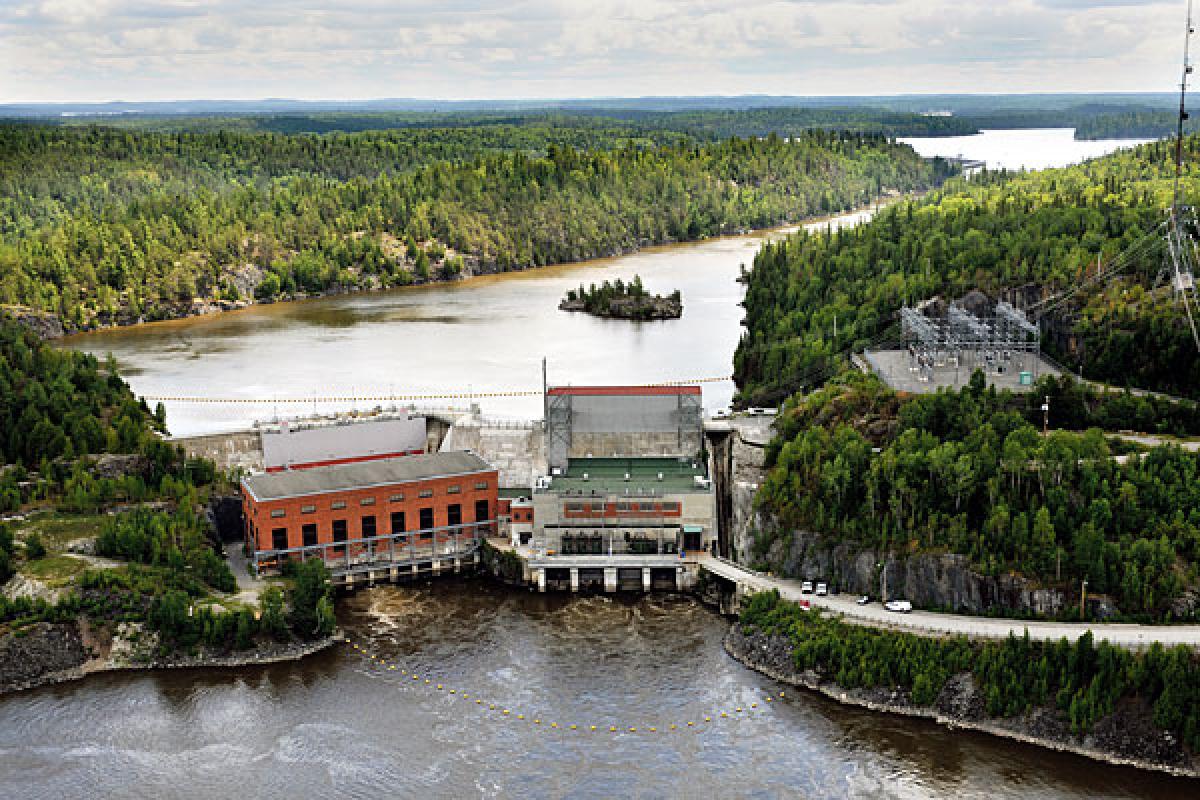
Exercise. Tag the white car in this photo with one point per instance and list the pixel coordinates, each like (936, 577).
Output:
(806, 587)
(900, 606)
(822, 590)
(862, 601)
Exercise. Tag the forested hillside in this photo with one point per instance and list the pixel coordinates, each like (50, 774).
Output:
(103, 226)
(993, 232)
(971, 473)
(81, 458)
(57, 408)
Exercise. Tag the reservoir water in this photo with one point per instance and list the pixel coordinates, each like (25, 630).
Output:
(335, 725)
(485, 335)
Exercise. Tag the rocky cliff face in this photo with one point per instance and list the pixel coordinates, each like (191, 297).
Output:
(44, 324)
(945, 580)
(40, 651)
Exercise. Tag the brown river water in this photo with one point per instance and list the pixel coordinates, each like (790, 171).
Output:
(338, 725)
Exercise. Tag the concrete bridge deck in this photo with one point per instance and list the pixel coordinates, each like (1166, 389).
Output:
(929, 623)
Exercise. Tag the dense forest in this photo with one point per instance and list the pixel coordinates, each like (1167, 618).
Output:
(1044, 231)
(1082, 680)
(101, 225)
(709, 124)
(970, 472)
(1138, 124)
(59, 409)
(75, 444)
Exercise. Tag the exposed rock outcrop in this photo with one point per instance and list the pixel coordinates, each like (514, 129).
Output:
(929, 580)
(41, 650)
(119, 465)
(44, 324)
(44, 654)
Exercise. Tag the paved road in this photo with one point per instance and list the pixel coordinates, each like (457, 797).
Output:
(928, 623)
(1150, 440)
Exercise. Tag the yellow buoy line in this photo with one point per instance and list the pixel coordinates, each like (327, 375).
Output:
(504, 712)
(386, 398)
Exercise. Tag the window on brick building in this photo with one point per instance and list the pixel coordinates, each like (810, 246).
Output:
(426, 518)
(368, 526)
(482, 513)
(398, 522)
(276, 513)
(367, 501)
(339, 530)
(309, 533)
(279, 539)
(454, 514)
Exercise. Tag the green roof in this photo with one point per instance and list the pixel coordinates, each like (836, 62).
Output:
(607, 475)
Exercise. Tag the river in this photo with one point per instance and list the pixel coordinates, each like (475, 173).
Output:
(483, 335)
(337, 725)
(334, 726)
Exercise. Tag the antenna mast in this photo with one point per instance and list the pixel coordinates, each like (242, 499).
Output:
(1180, 245)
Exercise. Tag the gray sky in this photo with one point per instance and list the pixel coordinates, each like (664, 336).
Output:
(94, 50)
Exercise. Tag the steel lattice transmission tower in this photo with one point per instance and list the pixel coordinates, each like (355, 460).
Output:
(1181, 243)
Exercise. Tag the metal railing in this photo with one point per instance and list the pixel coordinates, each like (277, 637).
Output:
(373, 552)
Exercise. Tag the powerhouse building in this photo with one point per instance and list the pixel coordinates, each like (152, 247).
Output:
(363, 516)
(628, 488)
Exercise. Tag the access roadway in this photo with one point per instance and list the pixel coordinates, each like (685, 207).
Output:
(929, 623)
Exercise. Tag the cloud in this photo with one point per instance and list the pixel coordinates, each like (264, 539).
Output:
(57, 50)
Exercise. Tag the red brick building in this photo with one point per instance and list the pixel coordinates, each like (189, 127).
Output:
(391, 509)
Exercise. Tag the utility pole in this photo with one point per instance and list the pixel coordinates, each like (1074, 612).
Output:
(545, 390)
(1083, 599)
(1046, 416)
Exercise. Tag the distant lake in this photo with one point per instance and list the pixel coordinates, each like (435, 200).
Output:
(1035, 148)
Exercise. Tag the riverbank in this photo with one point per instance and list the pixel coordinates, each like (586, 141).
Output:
(51, 653)
(50, 326)
(1127, 737)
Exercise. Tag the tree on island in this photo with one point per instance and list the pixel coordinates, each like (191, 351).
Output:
(623, 300)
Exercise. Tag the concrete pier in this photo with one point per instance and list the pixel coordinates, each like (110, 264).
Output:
(574, 579)
(610, 579)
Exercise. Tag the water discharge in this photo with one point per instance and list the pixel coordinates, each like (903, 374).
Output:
(344, 726)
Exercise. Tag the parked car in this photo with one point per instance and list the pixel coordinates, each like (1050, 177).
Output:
(806, 587)
(822, 590)
(900, 606)
(862, 601)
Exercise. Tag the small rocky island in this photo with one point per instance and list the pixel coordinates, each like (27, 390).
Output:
(620, 300)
